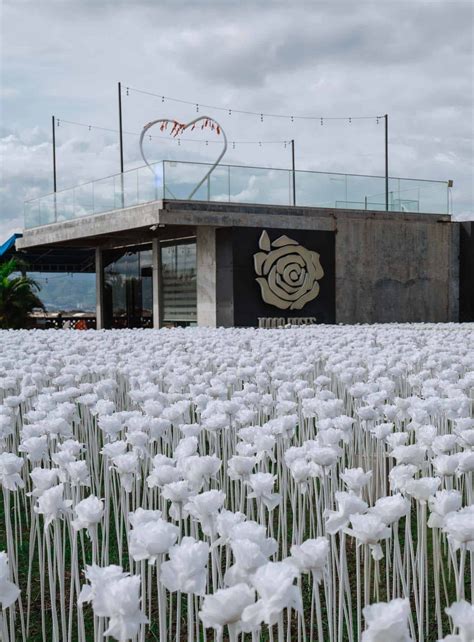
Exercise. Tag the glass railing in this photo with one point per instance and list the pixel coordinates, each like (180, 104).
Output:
(237, 184)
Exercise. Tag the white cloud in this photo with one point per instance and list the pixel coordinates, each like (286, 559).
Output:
(412, 60)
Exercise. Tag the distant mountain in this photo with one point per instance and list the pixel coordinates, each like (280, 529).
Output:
(66, 291)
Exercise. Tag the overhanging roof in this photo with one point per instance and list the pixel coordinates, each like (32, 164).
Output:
(49, 259)
(9, 243)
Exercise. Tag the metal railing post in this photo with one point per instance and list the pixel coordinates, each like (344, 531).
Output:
(386, 162)
(293, 170)
(53, 123)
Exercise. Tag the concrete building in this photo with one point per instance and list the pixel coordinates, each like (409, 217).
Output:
(241, 254)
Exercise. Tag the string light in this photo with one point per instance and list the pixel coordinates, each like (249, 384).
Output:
(179, 139)
(247, 112)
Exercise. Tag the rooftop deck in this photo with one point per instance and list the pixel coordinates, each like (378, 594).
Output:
(175, 180)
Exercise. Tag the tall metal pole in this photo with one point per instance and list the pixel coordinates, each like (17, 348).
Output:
(293, 170)
(121, 141)
(120, 125)
(386, 162)
(53, 124)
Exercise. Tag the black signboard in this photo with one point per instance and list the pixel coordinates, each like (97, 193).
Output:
(271, 277)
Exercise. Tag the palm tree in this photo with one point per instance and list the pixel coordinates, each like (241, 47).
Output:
(17, 296)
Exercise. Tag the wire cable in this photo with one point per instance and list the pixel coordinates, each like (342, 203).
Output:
(169, 138)
(260, 114)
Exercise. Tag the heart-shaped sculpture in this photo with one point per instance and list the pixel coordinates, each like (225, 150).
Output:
(179, 128)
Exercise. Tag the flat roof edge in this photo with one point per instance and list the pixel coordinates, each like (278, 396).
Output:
(206, 213)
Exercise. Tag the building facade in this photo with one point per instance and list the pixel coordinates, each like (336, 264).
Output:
(172, 262)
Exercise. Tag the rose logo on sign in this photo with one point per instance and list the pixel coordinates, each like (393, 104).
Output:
(288, 274)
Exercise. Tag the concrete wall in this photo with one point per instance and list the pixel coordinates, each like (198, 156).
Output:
(394, 269)
(206, 277)
(388, 269)
(466, 276)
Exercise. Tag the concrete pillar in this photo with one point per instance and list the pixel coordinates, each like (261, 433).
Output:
(206, 276)
(454, 260)
(156, 280)
(99, 289)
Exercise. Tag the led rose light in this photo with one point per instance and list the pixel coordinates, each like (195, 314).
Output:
(391, 508)
(225, 607)
(9, 592)
(276, 592)
(262, 487)
(186, 569)
(88, 512)
(387, 621)
(151, 538)
(52, 505)
(43, 479)
(462, 615)
(441, 504)
(355, 478)
(204, 508)
(349, 504)
(10, 469)
(311, 556)
(369, 529)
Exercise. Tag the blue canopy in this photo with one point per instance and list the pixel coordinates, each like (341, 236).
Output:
(9, 243)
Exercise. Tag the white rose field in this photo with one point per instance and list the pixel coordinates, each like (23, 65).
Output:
(305, 484)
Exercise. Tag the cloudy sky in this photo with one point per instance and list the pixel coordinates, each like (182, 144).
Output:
(413, 60)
